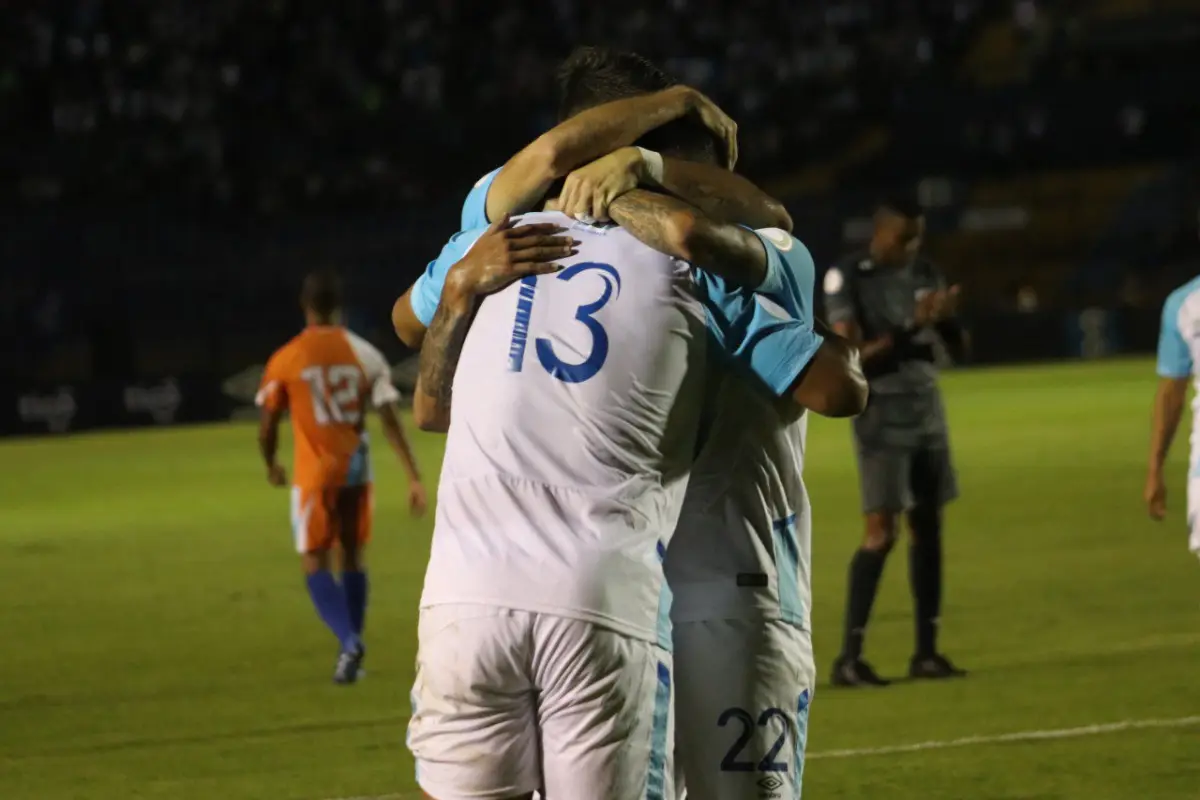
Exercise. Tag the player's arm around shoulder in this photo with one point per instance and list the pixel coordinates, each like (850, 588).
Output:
(501, 255)
(832, 382)
(777, 338)
(524, 180)
(720, 193)
(413, 311)
(681, 230)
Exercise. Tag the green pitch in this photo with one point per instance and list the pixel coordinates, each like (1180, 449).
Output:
(157, 641)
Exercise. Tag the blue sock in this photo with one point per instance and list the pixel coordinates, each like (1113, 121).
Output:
(331, 605)
(354, 584)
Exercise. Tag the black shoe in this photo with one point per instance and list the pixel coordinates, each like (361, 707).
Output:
(855, 672)
(934, 667)
(349, 666)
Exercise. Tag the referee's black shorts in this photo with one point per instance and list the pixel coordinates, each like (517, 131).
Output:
(903, 449)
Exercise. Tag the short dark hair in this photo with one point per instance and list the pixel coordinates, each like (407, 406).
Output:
(905, 204)
(686, 139)
(321, 292)
(592, 76)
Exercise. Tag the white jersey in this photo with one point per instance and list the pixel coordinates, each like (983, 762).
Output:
(1179, 345)
(1178, 353)
(743, 546)
(574, 415)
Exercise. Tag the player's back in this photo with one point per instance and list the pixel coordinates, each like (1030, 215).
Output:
(742, 548)
(574, 414)
(324, 376)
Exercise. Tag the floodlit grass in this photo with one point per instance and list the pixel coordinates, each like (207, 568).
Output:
(158, 642)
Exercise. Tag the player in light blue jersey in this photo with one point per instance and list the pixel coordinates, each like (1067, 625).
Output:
(1178, 350)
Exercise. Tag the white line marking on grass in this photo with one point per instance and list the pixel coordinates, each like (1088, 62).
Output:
(1019, 736)
(945, 744)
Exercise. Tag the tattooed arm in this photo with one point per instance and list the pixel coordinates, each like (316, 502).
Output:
(723, 194)
(671, 226)
(500, 256)
(525, 179)
(830, 380)
(439, 359)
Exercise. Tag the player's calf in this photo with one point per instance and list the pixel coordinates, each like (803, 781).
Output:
(352, 515)
(330, 602)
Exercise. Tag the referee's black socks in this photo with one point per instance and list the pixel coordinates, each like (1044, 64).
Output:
(925, 576)
(866, 568)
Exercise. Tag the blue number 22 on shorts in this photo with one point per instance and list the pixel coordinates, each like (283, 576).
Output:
(567, 373)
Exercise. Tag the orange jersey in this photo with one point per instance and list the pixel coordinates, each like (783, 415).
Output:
(326, 378)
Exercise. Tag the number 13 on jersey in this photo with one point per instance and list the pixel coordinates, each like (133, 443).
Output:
(585, 314)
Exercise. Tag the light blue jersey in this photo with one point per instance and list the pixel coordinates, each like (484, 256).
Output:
(1179, 337)
(1178, 350)
(474, 210)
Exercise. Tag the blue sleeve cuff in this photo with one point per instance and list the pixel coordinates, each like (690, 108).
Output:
(773, 284)
(474, 210)
(424, 297)
(756, 334)
(798, 352)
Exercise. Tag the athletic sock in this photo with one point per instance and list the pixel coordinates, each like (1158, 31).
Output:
(866, 568)
(330, 603)
(354, 584)
(925, 577)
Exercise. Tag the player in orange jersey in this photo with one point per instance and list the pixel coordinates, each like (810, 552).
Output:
(327, 377)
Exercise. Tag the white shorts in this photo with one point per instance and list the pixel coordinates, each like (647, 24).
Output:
(508, 702)
(742, 698)
(1193, 511)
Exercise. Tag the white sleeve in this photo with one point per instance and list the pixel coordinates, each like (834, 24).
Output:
(377, 371)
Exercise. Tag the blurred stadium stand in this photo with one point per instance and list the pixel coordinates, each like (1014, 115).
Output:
(172, 167)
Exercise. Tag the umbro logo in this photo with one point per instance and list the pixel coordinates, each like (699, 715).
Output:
(770, 786)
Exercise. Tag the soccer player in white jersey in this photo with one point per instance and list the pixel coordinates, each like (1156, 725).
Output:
(740, 570)
(544, 620)
(781, 431)
(739, 567)
(1178, 350)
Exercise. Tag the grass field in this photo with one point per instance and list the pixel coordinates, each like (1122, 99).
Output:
(158, 642)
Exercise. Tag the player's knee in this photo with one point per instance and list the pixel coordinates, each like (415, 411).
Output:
(880, 534)
(352, 558)
(315, 561)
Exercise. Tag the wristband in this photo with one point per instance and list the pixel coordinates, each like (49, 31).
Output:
(653, 163)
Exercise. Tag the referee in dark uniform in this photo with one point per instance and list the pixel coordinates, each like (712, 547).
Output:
(900, 311)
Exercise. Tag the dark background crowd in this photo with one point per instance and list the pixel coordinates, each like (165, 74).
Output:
(171, 167)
